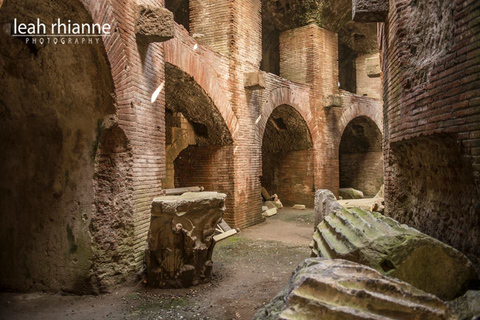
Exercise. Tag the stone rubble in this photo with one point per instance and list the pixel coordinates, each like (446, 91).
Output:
(340, 289)
(180, 239)
(391, 248)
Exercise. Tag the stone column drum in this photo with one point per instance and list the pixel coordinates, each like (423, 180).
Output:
(180, 239)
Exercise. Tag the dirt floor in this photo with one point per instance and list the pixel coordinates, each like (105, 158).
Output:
(249, 269)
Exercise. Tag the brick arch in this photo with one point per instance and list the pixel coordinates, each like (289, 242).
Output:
(373, 112)
(115, 49)
(187, 60)
(286, 96)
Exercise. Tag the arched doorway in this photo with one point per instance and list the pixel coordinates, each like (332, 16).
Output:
(199, 149)
(287, 157)
(361, 156)
(56, 103)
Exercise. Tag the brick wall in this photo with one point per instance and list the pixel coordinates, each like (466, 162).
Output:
(290, 176)
(310, 55)
(431, 82)
(210, 167)
(229, 48)
(362, 171)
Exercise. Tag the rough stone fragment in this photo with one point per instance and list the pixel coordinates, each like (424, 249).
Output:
(325, 202)
(153, 24)
(378, 206)
(333, 101)
(467, 306)
(270, 204)
(270, 212)
(255, 80)
(180, 239)
(278, 204)
(369, 10)
(380, 193)
(350, 193)
(372, 66)
(395, 250)
(299, 207)
(339, 289)
(264, 208)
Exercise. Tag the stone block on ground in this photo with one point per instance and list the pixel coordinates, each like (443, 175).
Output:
(278, 204)
(180, 238)
(153, 24)
(264, 208)
(276, 201)
(270, 212)
(350, 193)
(378, 206)
(393, 249)
(340, 289)
(299, 207)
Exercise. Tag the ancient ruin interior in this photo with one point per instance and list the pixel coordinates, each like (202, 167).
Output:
(253, 159)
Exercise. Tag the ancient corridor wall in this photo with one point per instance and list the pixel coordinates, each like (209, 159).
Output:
(432, 119)
(56, 102)
(361, 157)
(97, 146)
(288, 158)
(210, 167)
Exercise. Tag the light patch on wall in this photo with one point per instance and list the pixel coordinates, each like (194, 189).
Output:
(157, 92)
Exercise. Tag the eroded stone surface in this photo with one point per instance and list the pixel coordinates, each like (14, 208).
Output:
(180, 240)
(154, 24)
(369, 10)
(339, 289)
(325, 202)
(393, 249)
(255, 80)
(350, 193)
(467, 306)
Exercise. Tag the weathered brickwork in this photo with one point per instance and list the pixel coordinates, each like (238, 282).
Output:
(431, 81)
(210, 167)
(127, 133)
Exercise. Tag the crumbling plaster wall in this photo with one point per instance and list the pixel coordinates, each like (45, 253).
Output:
(432, 116)
(51, 130)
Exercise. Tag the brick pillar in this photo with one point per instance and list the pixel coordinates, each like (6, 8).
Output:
(310, 55)
(233, 29)
(210, 23)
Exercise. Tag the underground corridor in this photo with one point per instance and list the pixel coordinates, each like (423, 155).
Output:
(287, 157)
(361, 157)
(199, 151)
(233, 160)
